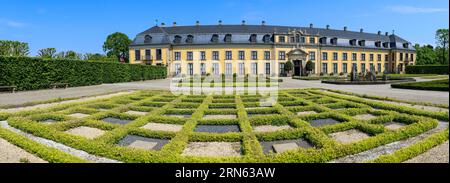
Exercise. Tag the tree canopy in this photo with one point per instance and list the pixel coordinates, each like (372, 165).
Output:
(47, 53)
(442, 45)
(13, 48)
(288, 66)
(309, 65)
(116, 45)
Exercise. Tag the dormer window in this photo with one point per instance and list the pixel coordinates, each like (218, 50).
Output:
(215, 38)
(323, 40)
(147, 39)
(362, 43)
(227, 38)
(266, 38)
(377, 44)
(190, 39)
(405, 45)
(386, 44)
(253, 38)
(177, 39)
(352, 42)
(334, 41)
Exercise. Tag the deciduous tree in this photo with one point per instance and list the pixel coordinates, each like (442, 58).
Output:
(13, 48)
(116, 45)
(48, 53)
(442, 45)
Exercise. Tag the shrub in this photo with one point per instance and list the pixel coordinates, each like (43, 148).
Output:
(35, 73)
(426, 69)
(437, 85)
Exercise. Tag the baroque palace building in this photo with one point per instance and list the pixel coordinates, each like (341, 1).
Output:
(264, 49)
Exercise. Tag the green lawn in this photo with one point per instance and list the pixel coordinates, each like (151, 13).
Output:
(410, 75)
(157, 105)
(436, 85)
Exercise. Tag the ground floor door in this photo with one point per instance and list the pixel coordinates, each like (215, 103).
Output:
(298, 71)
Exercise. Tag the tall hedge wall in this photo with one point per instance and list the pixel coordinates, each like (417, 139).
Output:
(34, 73)
(427, 69)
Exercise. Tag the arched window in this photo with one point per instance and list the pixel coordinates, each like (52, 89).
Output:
(227, 38)
(215, 38)
(253, 38)
(190, 39)
(177, 39)
(266, 38)
(147, 39)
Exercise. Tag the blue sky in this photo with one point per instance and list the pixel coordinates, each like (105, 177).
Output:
(82, 25)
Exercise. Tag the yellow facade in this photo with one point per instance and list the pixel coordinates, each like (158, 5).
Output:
(168, 56)
(175, 57)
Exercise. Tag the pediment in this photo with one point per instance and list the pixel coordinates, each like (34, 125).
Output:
(298, 52)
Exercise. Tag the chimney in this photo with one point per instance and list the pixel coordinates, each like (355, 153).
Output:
(220, 22)
(379, 32)
(328, 27)
(387, 33)
(243, 22)
(311, 26)
(197, 23)
(361, 30)
(345, 28)
(263, 23)
(163, 24)
(174, 24)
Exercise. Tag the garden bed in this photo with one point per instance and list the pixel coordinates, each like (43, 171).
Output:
(221, 128)
(436, 85)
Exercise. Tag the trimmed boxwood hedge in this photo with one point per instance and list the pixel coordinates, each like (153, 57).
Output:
(35, 73)
(414, 150)
(426, 69)
(325, 148)
(436, 85)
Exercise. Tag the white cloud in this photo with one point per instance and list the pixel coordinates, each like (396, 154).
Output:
(414, 10)
(12, 23)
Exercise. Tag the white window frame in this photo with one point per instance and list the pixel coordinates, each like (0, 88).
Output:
(255, 68)
(228, 68)
(216, 68)
(241, 69)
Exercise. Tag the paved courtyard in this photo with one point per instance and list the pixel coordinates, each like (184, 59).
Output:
(436, 97)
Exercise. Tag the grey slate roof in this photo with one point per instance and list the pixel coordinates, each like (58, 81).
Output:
(241, 33)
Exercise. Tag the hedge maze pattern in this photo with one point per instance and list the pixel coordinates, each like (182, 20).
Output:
(306, 125)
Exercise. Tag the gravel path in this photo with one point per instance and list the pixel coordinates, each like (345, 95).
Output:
(62, 147)
(84, 91)
(43, 106)
(388, 148)
(422, 107)
(10, 153)
(437, 97)
(438, 154)
(212, 149)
